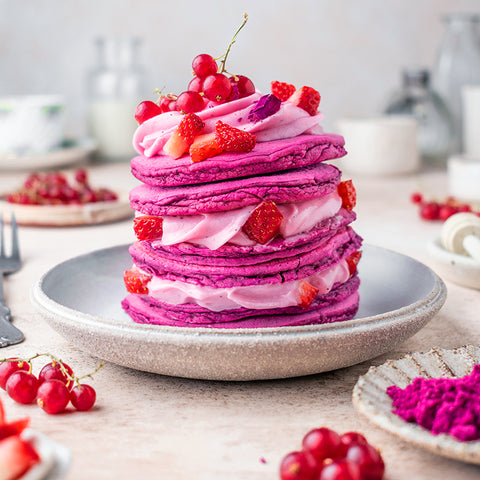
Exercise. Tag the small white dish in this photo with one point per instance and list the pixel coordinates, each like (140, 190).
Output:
(55, 459)
(69, 153)
(371, 399)
(80, 298)
(455, 267)
(68, 215)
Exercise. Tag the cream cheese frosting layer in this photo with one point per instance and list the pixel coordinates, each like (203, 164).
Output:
(256, 297)
(290, 121)
(212, 230)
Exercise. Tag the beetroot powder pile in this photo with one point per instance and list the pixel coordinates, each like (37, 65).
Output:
(442, 405)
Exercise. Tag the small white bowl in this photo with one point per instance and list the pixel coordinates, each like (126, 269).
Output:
(31, 124)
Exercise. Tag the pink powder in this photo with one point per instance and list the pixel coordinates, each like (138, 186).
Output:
(442, 405)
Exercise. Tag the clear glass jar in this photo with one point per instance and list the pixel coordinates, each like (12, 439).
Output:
(436, 130)
(115, 87)
(458, 64)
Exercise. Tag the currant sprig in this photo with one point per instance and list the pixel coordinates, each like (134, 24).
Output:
(55, 386)
(234, 39)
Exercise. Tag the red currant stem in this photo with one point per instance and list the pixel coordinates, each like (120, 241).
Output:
(90, 375)
(225, 55)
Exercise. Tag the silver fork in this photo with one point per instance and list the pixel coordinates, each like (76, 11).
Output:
(9, 334)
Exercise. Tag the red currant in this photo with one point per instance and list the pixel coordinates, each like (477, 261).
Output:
(430, 211)
(53, 396)
(22, 387)
(368, 459)
(53, 371)
(190, 102)
(83, 397)
(350, 438)
(217, 87)
(244, 84)
(446, 211)
(81, 176)
(7, 368)
(340, 469)
(204, 65)
(322, 443)
(416, 198)
(146, 110)
(298, 466)
(196, 85)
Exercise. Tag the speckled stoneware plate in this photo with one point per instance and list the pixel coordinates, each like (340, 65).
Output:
(371, 399)
(455, 267)
(80, 298)
(68, 215)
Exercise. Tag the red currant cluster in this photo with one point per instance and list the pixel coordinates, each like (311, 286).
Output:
(53, 188)
(211, 82)
(326, 455)
(440, 210)
(53, 389)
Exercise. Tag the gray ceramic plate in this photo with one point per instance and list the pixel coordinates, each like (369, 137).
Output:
(370, 397)
(80, 298)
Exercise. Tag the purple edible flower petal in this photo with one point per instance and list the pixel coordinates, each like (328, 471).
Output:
(265, 107)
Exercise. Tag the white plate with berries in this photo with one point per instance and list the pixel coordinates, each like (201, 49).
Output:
(54, 199)
(81, 299)
(69, 153)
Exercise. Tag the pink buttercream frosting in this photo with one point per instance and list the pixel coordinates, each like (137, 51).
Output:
(290, 121)
(212, 230)
(276, 295)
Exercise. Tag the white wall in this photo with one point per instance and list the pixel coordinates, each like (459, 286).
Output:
(352, 51)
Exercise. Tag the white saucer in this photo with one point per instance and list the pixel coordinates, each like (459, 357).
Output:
(453, 266)
(71, 152)
(371, 399)
(80, 298)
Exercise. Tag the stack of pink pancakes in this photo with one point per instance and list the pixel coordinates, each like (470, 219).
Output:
(204, 270)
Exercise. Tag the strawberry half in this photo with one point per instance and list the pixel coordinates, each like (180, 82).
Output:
(282, 90)
(264, 222)
(204, 146)
(352, 261)
(136, 281)
(231, 139)
(14, 428)
(307, 294)
(17, 456)
(179, 143)
(348, 194)
(148, 227)
(306, 98)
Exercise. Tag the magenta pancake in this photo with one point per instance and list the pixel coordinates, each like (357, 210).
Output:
(274, 156)
(297, 185)
(339, 304)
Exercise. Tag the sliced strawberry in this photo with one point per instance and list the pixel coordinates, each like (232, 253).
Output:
(17, 456)
(282, 90)
(232, 139)
(352, 261)
(348, 194)
(136, 281)
(204, 146)
(148, 227)
(307, 294)
(179, 143)
(306, 98)
(14, 428)
(264, 222)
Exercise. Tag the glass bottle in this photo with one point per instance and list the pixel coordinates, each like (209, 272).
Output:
(458, 64)
(436, 130)
(115, 87)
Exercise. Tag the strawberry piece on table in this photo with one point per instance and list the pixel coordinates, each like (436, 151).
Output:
(17, 456)
(264, 222)
(204, 146)
(348, 194)
(352, 261)
(136, 281)
(232, 139)
(147, 110)
(14, 428)
(179, 143)
(306, 98)
(307, 294)
(148, 227)
(282, 90)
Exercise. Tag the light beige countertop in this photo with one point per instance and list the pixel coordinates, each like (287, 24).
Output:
(154, 427)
